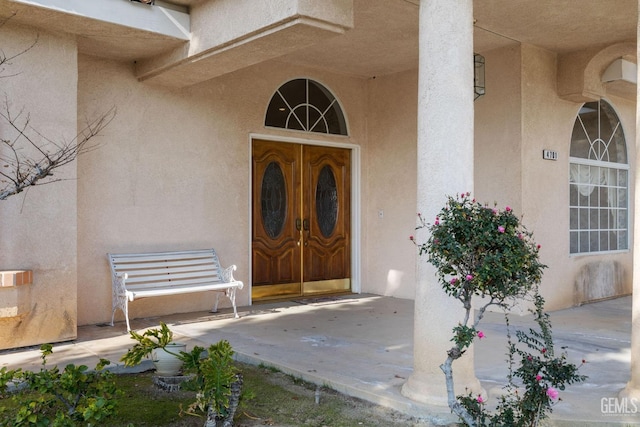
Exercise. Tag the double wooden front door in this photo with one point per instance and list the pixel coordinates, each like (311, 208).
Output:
(301, 205)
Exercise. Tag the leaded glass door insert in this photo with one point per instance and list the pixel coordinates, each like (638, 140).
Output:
(301, 220)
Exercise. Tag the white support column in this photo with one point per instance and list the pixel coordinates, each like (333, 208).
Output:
(445, 167)
(632, 389)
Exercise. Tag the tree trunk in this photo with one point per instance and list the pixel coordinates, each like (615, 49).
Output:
(213, 420)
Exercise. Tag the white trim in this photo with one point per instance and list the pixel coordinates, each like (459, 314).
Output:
(601, 163)
(617, 251)
(356, 285)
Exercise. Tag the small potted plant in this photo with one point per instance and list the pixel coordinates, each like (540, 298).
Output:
(157, 343)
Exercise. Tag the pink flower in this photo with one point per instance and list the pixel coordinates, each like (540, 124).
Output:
(480, 334)
(543, 351)
(495, 211)
(501, 229)
(453, 280)
(437, 221)
(538, 246)
(552, 393)
(538, 377)
(508, 209)
(480, 399)
(411, 238)
(469, 277)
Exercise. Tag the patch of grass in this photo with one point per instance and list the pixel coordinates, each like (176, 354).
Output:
(271, 398)
(141, 403)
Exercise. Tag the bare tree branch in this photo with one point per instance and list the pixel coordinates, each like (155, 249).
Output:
(6, 60)
(19, 169)
(27, 156)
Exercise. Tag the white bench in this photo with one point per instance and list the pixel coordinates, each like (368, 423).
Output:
(142, 275)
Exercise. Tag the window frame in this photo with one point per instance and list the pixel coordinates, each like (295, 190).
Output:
(293, 110)
(605, 168)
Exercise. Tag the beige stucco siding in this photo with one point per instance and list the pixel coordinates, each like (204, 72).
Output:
(38, 226)
(547, 124)
(173, 172)
(390, 182)
(498, 131)
(521, 115)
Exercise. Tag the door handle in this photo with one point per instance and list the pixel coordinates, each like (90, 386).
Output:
(305, 225)
(298, 224)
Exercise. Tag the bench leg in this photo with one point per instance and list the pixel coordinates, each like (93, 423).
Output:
(126, 315)
(232, 296)
(124, 306)
(215, 305)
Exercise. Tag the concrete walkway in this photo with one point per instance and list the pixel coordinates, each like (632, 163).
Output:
(362, 345)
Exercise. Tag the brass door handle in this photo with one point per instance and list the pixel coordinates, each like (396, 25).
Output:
(305, 225)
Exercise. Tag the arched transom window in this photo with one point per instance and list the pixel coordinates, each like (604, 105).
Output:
(598, 182)
(305, 105)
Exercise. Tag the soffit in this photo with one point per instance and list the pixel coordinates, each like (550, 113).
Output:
(94, 37)
(385, 37)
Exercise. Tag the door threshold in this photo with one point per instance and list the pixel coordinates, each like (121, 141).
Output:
(307, 299)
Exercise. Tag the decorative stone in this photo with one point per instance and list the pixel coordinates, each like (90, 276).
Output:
(170, 384)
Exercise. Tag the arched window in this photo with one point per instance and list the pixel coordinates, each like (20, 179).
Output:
(598, 182)
(305, 105)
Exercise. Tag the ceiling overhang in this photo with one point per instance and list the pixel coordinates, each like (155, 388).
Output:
(228, 35)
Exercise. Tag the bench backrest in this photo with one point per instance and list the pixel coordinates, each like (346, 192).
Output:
(166, 269)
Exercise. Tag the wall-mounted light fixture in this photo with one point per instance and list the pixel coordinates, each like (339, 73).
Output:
(478, 76)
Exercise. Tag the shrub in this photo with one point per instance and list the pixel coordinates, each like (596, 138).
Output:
(485, 257)
(51, 397)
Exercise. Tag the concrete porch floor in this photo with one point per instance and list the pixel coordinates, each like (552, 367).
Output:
(362, 345)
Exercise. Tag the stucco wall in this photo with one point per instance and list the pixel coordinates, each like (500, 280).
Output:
(521, 115)
(38, 226)
(173, 172)
(547, 124)
(389, 215)
(498, 131)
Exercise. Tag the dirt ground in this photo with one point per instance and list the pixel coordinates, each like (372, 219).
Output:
(280, 400)
(333, 408)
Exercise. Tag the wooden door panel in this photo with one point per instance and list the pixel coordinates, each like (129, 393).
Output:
(274, 269)
(327, 206)
(327, 265)
(275, 205)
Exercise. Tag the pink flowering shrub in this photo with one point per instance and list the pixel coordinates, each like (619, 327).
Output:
(486, 254)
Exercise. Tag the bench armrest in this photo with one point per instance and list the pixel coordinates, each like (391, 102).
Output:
(119, 287)
(226, 274)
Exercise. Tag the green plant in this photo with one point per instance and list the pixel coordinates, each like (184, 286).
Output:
(51, 397)
(216, 380)
(214, 377)
(485, 255)
(147, 342)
